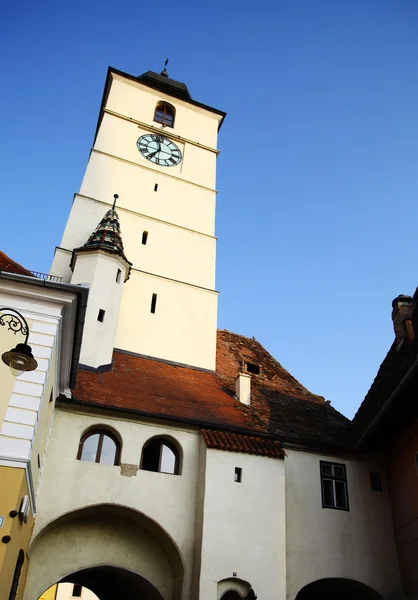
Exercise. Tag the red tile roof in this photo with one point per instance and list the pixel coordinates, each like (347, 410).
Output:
(233, 349)
(157, 388)
(221, 440)
(280, 406)
(9, 265)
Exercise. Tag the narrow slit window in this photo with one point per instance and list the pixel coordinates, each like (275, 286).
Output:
(238, 475)
(144, 237)
(77, 588)
(153, 303)
(118, 274)
(375, 481)
(101, 315)
(156, 187)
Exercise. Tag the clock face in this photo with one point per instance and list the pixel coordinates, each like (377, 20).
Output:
(159, 150)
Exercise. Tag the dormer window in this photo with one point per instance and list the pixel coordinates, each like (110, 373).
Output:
(164, 114)
(252, 368)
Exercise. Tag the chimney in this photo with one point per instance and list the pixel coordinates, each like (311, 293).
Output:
(243, 388)
(401, 317)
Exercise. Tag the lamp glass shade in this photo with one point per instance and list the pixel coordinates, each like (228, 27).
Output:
(20, 359)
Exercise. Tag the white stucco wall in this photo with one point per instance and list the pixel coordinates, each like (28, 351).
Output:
(243, 525)
(175, 201)
(102, 539)
(321, 542)
(179, 218)
(70, 484)
(138, 101)
(118, 137)
(183, 327)
(25, 401)
(99, 270)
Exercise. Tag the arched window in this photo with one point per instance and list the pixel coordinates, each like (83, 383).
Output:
(164, 114)
(16, 575)
(160, 456)
(99, 446)
(231, 595)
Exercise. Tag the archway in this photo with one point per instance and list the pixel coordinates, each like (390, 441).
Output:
(343, 589)
(234, 588)
(106, 549)
(108, 583)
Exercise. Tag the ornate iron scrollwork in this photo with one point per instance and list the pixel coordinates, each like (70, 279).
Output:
(14, 321)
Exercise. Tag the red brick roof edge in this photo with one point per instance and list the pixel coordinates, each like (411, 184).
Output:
(10, 266)
(232, 442)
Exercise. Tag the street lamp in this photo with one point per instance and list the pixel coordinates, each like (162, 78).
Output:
(20, 358)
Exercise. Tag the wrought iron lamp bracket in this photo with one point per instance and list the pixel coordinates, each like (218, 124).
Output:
(15, 322)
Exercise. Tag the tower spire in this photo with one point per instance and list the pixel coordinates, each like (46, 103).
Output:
(107, 236)
(164, 72)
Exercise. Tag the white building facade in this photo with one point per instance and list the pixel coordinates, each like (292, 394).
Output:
(165, 480)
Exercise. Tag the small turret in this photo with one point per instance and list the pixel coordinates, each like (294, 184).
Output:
(102, 265)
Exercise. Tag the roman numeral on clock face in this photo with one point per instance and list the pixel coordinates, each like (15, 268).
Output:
(159, 150)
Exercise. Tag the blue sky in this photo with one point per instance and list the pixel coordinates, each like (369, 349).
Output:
(317, 176)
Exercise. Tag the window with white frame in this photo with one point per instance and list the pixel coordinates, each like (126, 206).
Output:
(334, 485)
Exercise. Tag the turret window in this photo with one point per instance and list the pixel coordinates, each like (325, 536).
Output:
(144, 237)
(101, 315)
(164, 114)
(100, 447)
(160, 456)
(118, 274)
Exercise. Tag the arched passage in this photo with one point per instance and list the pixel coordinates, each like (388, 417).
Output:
(343, 589)
(104, 548)
(231, 595)
(109, 583)
(233, 588)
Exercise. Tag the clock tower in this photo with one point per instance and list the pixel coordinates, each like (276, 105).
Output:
(156, 148)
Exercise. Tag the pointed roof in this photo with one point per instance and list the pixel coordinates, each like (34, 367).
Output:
(163, 83)
(107, 236)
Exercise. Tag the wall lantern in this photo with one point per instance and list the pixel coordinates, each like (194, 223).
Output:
(20, 358)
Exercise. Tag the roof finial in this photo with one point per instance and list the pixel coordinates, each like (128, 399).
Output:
(115, 196)
(164, 71)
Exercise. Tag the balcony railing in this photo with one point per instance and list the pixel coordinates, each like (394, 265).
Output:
(46, 276)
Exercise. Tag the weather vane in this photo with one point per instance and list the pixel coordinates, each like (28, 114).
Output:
(164, 71)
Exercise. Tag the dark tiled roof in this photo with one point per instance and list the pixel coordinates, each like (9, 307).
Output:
(221, 440)
(234, 349)
(391, 372)
(165, 84)
(280, 406)
(10, 266)
(107, 236)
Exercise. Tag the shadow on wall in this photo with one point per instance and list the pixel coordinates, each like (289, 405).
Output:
(122, 545)
(343, 589)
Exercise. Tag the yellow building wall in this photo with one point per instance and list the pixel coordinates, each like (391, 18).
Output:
(50, 593)
(13, 487)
